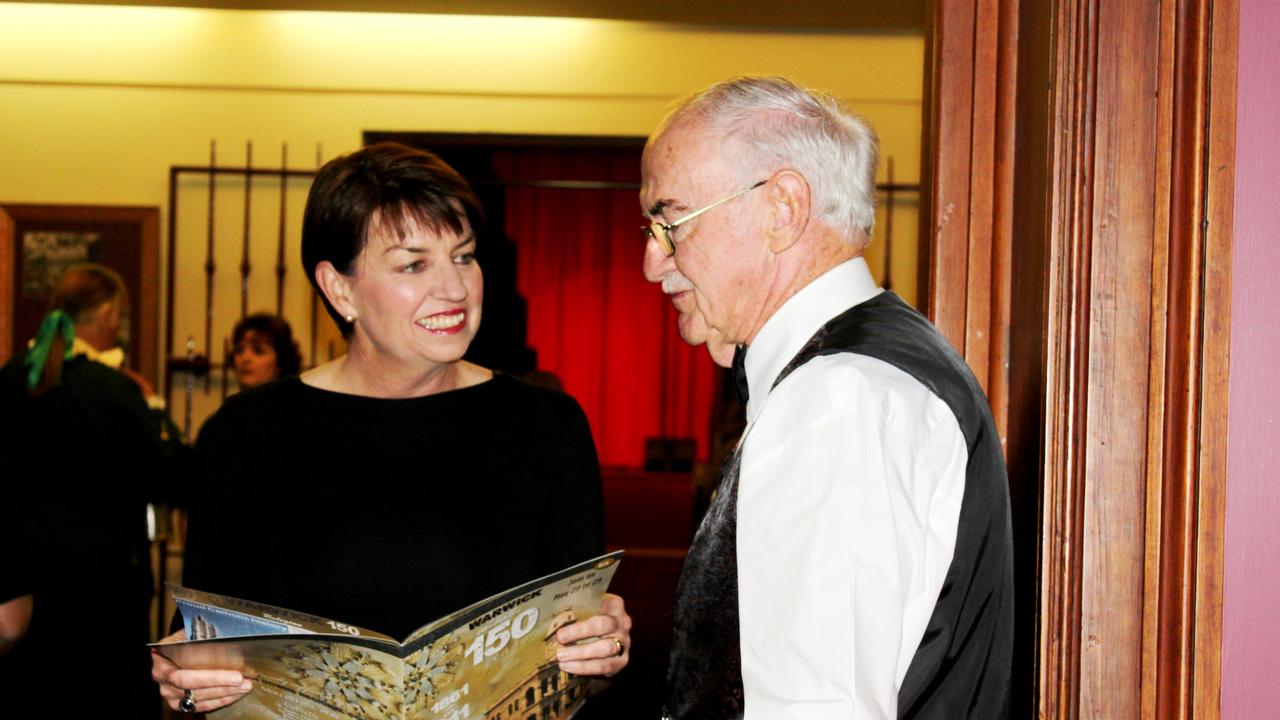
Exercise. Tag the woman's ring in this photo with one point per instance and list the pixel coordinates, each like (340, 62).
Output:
(188, 703)
(621, 649)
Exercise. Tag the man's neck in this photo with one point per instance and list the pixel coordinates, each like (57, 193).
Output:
(796, 270)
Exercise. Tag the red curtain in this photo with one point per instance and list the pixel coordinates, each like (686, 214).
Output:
(594, 321)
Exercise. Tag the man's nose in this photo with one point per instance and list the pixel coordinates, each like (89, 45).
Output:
(656, 262)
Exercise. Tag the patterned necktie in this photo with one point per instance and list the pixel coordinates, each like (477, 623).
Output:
(704, 679)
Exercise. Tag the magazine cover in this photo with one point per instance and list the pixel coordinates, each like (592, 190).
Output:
(493, 660)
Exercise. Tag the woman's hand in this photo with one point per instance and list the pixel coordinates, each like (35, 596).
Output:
(210, 689)
(609, 652)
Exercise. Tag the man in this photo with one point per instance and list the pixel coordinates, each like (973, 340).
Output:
(857, 560)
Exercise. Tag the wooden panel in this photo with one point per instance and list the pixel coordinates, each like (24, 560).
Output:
(1102, 188)
(1038, 653)
(1160, 297)
(140, 225)
(1183, 611)
(1132, 301)
(977, 270)
(1004, 34)
(944, 247)
(1121, 179)
(966, 239)
(1173, 364)
(1070, 148)
(1114, 306)
(1210, 525)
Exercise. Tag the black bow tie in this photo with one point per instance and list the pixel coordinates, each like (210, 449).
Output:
(740, 373)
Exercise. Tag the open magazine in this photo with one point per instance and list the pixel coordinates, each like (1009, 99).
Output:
(493, 660)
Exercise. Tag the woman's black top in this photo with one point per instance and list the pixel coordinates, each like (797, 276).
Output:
(389, 513)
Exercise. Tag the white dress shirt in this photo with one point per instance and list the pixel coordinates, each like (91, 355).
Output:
(850, 488)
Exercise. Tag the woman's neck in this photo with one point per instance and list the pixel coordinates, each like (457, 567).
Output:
(369, 374)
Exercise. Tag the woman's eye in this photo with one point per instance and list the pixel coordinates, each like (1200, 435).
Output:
(414, 267)
(465, 258)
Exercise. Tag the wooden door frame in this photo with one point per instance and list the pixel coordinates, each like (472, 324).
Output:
(1078, 197)
(144, 222)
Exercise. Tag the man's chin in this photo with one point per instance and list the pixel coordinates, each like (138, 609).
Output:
(721, 353)
(691, 331)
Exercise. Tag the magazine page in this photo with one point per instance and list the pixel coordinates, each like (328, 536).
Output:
(302, 677)
(497, 658)
(598, 570)
(206, 616)
(493, 659)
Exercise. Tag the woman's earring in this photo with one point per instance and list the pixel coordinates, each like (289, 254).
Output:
(351, 318)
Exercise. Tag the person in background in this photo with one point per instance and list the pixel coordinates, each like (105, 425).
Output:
(263, 350)
(857, 559)
(15, 577)
(81, 461)
(464, 481)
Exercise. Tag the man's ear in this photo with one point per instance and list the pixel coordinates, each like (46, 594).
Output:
(337, 288)
(789, 201)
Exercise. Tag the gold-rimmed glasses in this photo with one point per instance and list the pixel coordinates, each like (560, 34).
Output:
(661, 231)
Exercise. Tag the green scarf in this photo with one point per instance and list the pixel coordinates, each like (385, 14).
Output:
(54, 324)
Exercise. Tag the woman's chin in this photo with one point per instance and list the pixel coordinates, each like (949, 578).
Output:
(251, 381)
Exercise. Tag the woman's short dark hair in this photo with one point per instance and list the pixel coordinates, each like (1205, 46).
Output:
(399, 186)
(277, 330)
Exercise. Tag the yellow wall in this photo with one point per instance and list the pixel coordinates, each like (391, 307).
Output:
(97, 102)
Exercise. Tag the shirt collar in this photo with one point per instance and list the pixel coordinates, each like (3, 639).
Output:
(112, 358)
(791, 326)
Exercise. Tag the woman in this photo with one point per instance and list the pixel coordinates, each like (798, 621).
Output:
(263, 350)
(79, 460)
(399, 482)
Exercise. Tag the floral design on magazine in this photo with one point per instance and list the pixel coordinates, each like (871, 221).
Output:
(428, 670)
(343, 678)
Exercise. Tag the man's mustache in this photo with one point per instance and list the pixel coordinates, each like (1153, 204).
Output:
(673, 282)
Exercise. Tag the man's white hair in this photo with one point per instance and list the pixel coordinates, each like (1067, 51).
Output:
(780, 125)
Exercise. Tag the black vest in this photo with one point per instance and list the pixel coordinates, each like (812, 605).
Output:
(963, 665)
